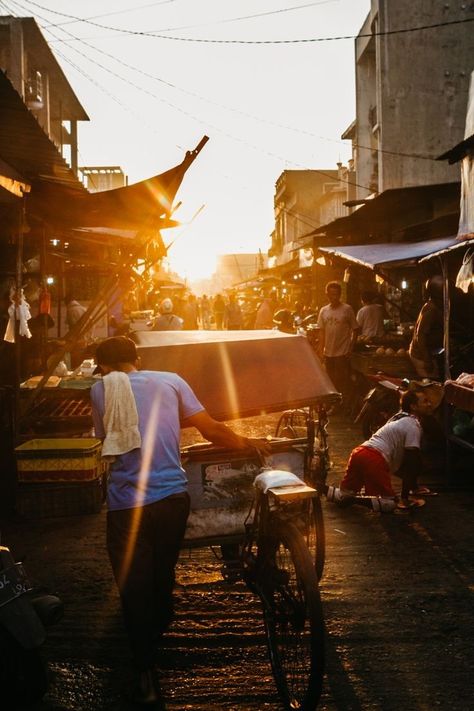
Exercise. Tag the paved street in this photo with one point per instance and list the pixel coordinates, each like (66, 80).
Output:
(397, 595)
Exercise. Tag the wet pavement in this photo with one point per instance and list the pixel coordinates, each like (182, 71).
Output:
(397, 595)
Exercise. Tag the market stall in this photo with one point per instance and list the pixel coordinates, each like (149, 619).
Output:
(50, 225)
(391, 264)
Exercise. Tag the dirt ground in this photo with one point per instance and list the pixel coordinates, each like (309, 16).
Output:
(397, 595)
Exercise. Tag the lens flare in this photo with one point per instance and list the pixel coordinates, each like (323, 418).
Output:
(142, 484)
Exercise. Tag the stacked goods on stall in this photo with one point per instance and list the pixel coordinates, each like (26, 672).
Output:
(60, 477)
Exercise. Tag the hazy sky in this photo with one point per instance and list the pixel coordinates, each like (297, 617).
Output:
(235, 93)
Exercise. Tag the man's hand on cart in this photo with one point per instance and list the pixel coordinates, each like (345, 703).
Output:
(262, 446)
(222, 435)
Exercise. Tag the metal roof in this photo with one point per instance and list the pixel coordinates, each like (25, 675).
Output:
(390, 201)
(459, 151)
(377, 256)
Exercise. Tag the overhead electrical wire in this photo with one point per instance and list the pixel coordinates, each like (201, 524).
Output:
(207, 124)
(235, 110)
(287, 211)
(206, 24)
(141, 33)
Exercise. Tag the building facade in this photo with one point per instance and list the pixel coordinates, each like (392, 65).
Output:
(411, 92)
(303, 200)
(103, 177)
(34, 72)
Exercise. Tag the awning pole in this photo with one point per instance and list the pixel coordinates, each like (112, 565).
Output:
(17, 300)
(446, 317)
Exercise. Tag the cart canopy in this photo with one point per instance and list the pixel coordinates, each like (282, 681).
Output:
(240, 373)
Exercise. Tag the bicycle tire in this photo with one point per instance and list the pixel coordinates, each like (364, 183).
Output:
(316, 535)
(288, 589)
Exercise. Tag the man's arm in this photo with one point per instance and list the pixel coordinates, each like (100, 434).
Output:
(223, 436)
(409, 471)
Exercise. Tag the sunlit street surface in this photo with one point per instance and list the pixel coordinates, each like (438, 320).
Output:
(397, 599)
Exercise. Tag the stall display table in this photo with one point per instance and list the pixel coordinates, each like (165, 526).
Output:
(458, 397)
(59, 469)
(395, 365)
(64, 409)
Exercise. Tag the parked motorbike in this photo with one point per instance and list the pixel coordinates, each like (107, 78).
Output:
(381, 402)
(286, 321)
(24, 614)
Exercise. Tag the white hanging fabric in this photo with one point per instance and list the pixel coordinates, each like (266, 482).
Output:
(21, 313)
(466, 272)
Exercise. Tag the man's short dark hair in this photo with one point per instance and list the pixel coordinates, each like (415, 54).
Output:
(368, 296)
(408, 399)
(116, 350)
(333, 285)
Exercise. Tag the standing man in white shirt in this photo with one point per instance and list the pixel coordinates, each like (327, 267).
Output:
(338, 333)
(370, 316)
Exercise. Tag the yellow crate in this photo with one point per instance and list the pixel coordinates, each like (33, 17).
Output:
(59, 460)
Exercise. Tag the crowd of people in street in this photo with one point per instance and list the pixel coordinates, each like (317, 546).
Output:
(213, 313)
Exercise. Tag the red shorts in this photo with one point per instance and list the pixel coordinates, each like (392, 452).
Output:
(368, 468)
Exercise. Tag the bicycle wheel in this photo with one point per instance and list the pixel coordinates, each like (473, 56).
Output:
(288, 588)
(315, 535)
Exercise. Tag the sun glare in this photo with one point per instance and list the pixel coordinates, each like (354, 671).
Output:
(192, 262)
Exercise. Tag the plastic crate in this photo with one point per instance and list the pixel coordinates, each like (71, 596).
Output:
(59, 460)
(51, 500)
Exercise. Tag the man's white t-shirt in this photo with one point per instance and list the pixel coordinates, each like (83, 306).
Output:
(370, 320)
(338, 322)
(394, 437)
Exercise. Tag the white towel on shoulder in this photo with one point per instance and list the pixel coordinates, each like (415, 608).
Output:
(120, 416)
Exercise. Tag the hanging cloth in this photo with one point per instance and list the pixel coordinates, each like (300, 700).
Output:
(466, 272)
(20, 313)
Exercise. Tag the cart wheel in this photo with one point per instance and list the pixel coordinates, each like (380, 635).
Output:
(284, 427)
(316, 536)
(288, 588)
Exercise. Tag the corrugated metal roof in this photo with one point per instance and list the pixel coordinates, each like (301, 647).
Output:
(392, 200)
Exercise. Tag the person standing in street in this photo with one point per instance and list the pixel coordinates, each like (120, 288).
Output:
(370, 317)
(205, 311)
(338, 333)
(190, 314)
(429, 331)
(265, 311)
(218, 308)
(233, 314)
(139, 415)
(167, 320)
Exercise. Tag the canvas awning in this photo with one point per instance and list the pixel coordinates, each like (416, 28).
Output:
(393, 254)
(134, 207)
(58, 198)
